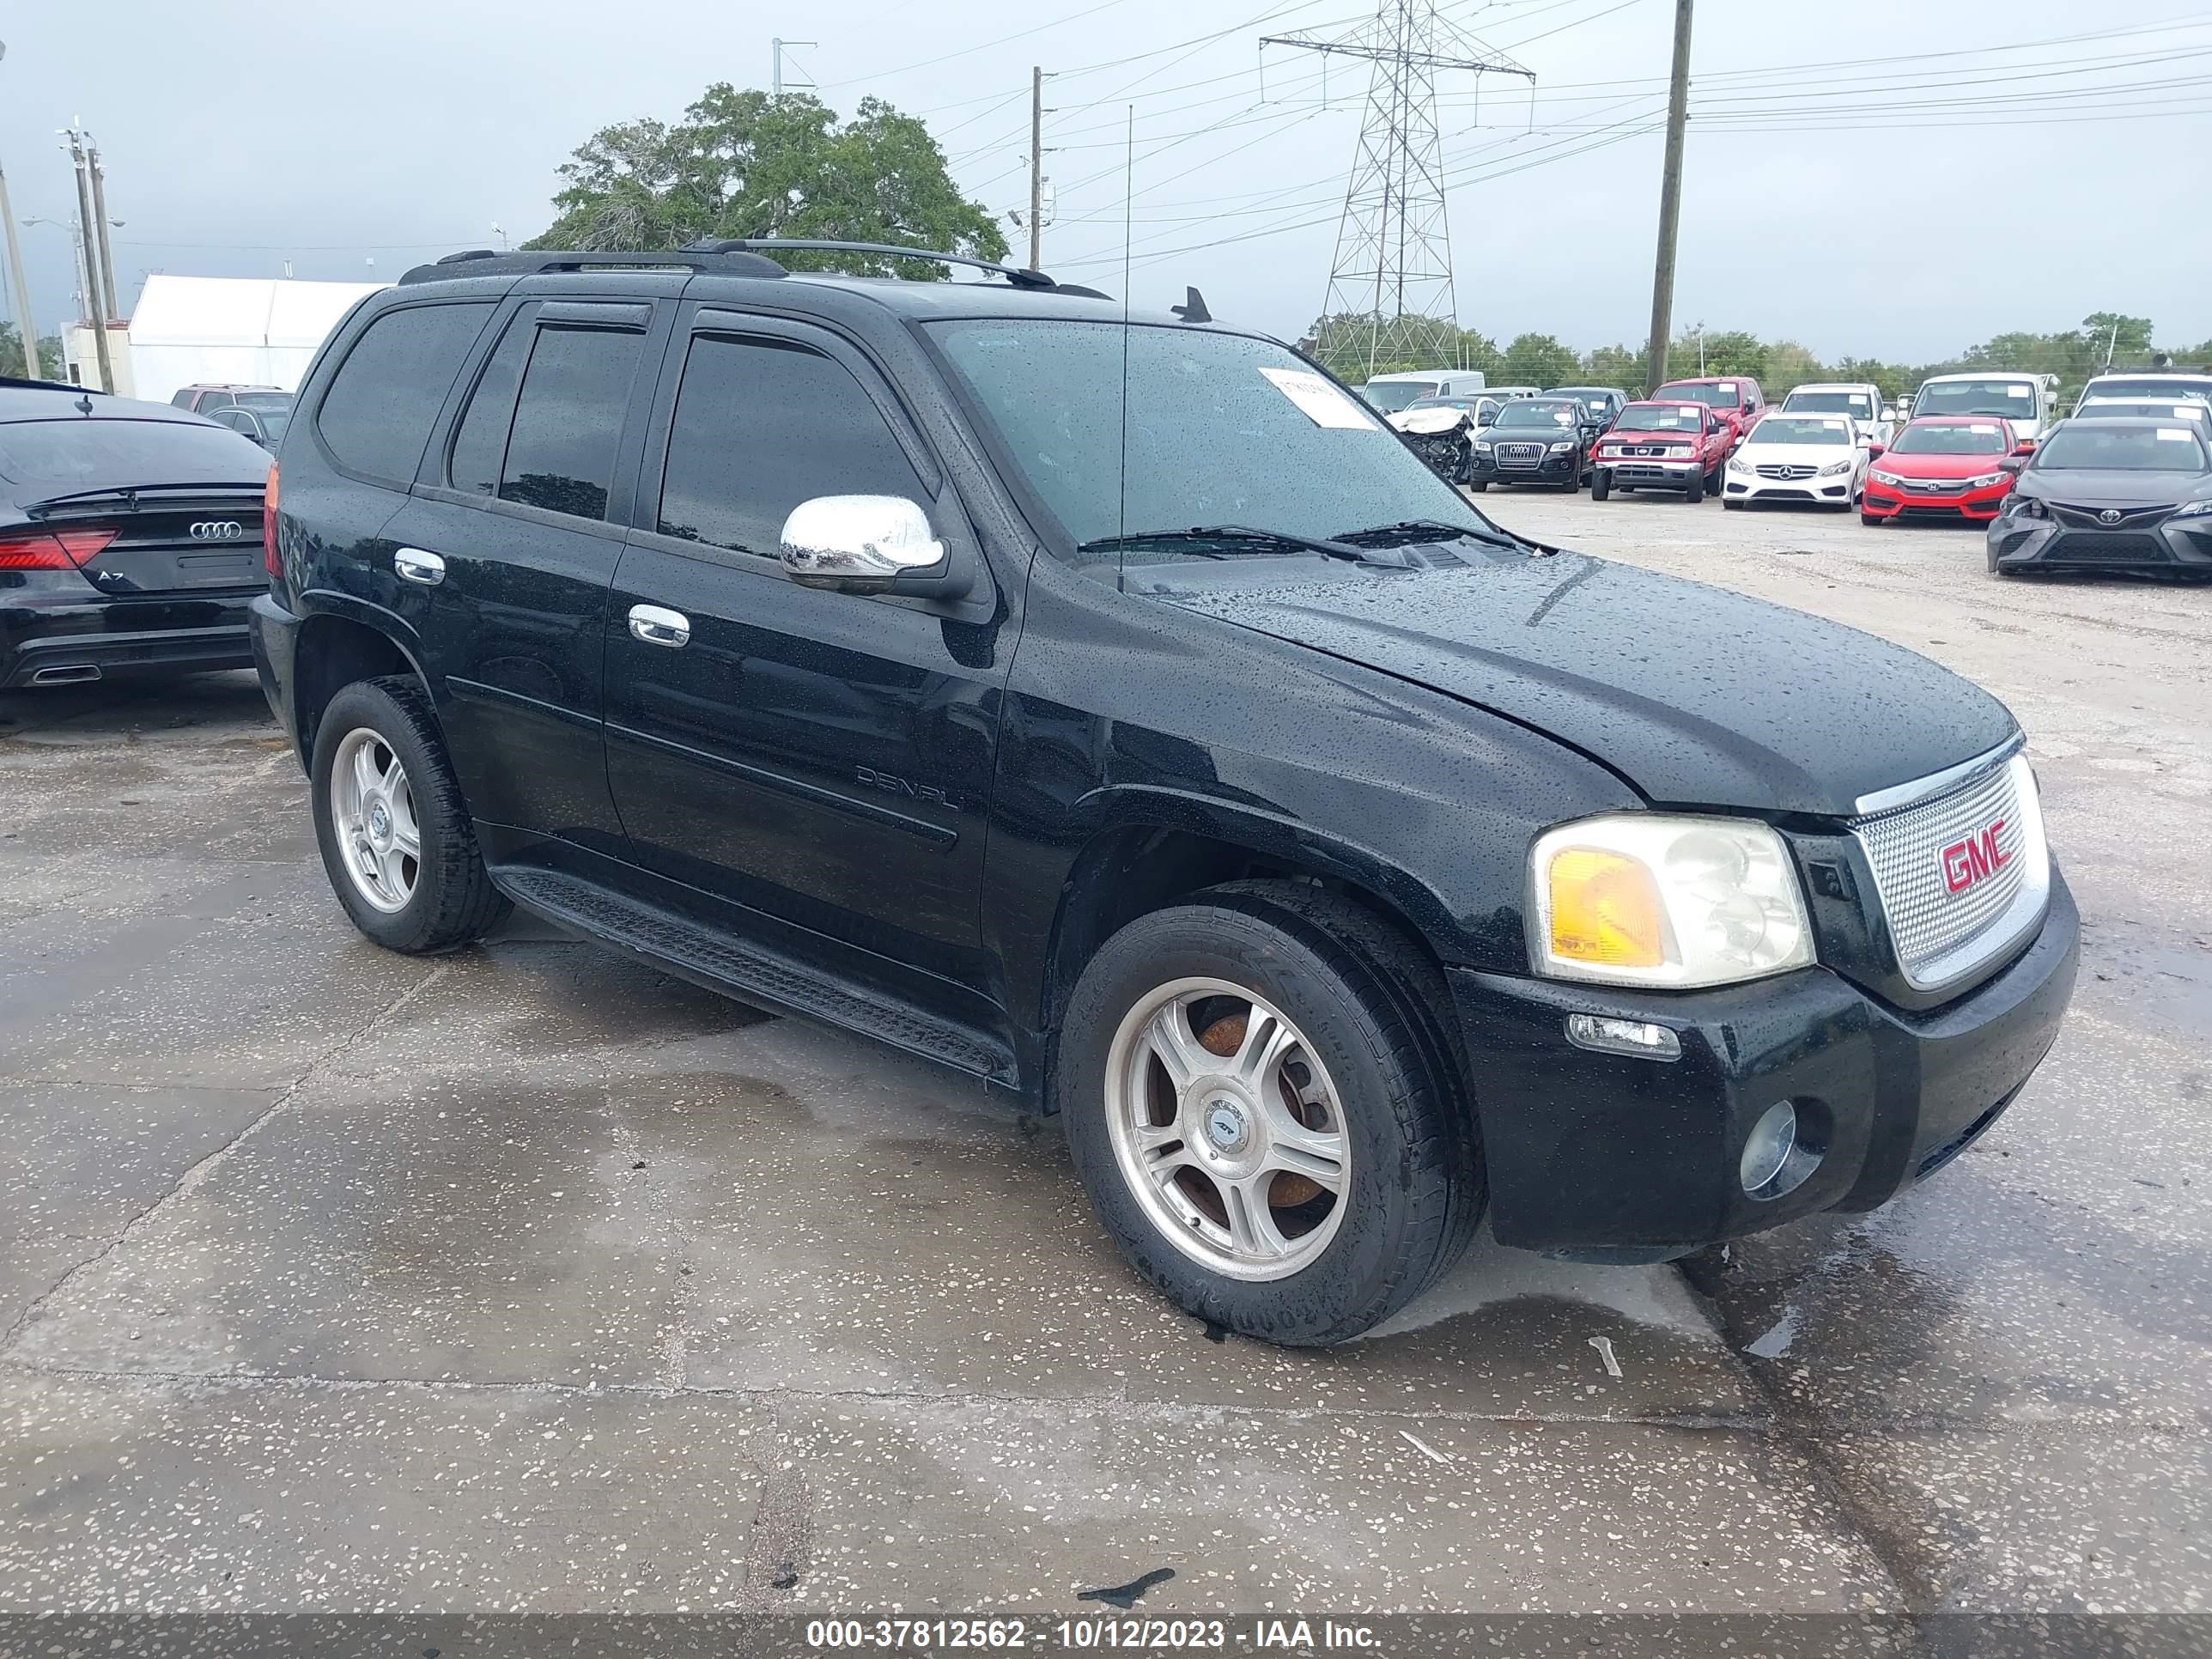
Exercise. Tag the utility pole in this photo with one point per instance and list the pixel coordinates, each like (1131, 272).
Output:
(1036, 168)
(775, 75)
(27, 321)
(1670, 203)
(100, 221)
(1391, 298)
(94, 280)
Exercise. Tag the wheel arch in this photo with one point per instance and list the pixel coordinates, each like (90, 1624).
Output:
(339, 644)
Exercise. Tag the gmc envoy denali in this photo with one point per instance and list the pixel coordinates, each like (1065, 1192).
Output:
(1112, 708)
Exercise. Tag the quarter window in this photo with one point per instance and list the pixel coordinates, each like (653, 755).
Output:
(568, 419)
(378, 414)
(480, 441)
(761, 425)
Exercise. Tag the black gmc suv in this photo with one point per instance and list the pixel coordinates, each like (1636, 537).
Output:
(1113, 708)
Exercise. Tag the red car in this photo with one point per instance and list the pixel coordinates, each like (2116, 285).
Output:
(1953, 467)
(1735, 398)
(1655, 445)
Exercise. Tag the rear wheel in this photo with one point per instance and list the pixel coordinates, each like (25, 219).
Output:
(1260, 1108)
(393, 830)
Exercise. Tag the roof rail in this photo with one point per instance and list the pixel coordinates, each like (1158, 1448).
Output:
(1019, 275)
(483, 262)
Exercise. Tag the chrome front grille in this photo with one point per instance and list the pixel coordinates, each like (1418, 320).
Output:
(1785, 470)
(1962, 875)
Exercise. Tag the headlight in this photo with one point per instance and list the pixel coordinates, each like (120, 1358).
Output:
(1896, 480)
(1639, 898)
(2194, 510)
(1482, 445)
(1562, 446)
(1837, 469)
(2026, 506)
(1985, 481)
(1737, 464)
(1678, 449)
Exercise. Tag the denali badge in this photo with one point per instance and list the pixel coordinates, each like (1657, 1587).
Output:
(2110, 515)
(217, 529)
(1966, 862)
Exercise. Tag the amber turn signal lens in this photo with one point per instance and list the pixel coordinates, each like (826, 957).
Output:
(1605, 909)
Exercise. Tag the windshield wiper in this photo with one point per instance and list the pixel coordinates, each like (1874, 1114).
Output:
(1408, 531)
(1221, 540)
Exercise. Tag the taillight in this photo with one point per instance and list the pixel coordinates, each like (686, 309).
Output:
(269, 562)
(52, 550)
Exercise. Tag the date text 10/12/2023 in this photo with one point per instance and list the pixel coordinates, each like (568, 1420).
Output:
(1088, 1634)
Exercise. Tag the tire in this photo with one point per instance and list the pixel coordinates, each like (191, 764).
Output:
(1478, 486)
(1600, 485)
(447, 901)
(1874, 520)
(1355, 1002)
(1733, 507)
(1695, 492)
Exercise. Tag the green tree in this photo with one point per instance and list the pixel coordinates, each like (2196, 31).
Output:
(2126, 338)
(11, 355)
(1616, 366)
(1790, 364)
(747, 164)
(1539, 360)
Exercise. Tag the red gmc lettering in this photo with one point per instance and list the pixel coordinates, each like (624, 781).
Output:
(1966, 862)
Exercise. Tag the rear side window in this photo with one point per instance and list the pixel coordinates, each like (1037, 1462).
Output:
(568, 419)
(762, 425)
(480, 444)
(377, 416)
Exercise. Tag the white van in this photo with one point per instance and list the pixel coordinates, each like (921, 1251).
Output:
(1392, 392)
(2030, 402)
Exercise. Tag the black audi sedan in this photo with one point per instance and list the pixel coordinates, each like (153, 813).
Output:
(2131, 494)
(130, 537)
(1536, 441)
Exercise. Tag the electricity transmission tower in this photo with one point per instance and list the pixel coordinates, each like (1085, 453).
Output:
(1390, 293)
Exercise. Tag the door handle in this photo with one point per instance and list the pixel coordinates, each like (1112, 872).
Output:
(414, 565)
(658, 625)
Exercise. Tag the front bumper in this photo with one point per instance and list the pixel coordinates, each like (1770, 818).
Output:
(1600, 1153)
(1543, 468)
(1652, 474)
(1885, 501)
(1829, 492)
(2178, 545)
(62, 634)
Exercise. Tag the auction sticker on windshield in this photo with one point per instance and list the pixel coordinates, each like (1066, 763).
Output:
(1322, 403)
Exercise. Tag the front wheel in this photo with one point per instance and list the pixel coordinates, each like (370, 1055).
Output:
(393, 830)
(1873, 518)
(1257, 1102)
(1600, 485)
(1696, 492)
(1478, 486)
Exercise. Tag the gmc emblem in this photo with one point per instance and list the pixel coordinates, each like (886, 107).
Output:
(1966, 862)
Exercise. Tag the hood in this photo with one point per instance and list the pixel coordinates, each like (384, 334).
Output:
(1697, 697)
(2089, 487)
(1939, 466)
(1426, 420)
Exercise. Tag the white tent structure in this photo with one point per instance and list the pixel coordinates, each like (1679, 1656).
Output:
(249, 330)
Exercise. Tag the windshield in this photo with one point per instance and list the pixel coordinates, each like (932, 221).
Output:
(2162, 387)
(1222, 429)
(60, 458)
(1800, 429)
(2099, 407)
(1528, 412)
(2013, 399)
(1391, 396)
(1951, 438)
(1830, 403)
(1721, 395)
(1659, 417)
(2076, 445)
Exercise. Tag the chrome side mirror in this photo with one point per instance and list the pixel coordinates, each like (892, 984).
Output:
(858, 543)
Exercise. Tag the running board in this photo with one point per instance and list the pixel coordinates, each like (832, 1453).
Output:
(665, 940)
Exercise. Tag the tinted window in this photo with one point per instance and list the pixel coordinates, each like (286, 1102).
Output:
(480, 442)
(762, 426)
(377, 413)
(568, 419)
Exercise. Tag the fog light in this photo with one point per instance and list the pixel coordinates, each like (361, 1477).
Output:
(1772, 1140)
(1623, 1036)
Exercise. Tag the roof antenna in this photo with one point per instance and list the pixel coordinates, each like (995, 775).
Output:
(1128, 221)
(1193, 308)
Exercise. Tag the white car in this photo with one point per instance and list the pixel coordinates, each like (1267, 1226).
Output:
(1389, 393)
(1799, 457)
(1861, 400)
(2151, 386)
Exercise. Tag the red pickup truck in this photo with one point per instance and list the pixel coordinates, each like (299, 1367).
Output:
(1735, 398)
(1655, 445)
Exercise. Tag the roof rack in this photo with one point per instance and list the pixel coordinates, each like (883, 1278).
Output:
(1020, 276)
(483, 262)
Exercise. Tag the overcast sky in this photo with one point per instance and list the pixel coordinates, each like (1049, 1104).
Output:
(1965, 177)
